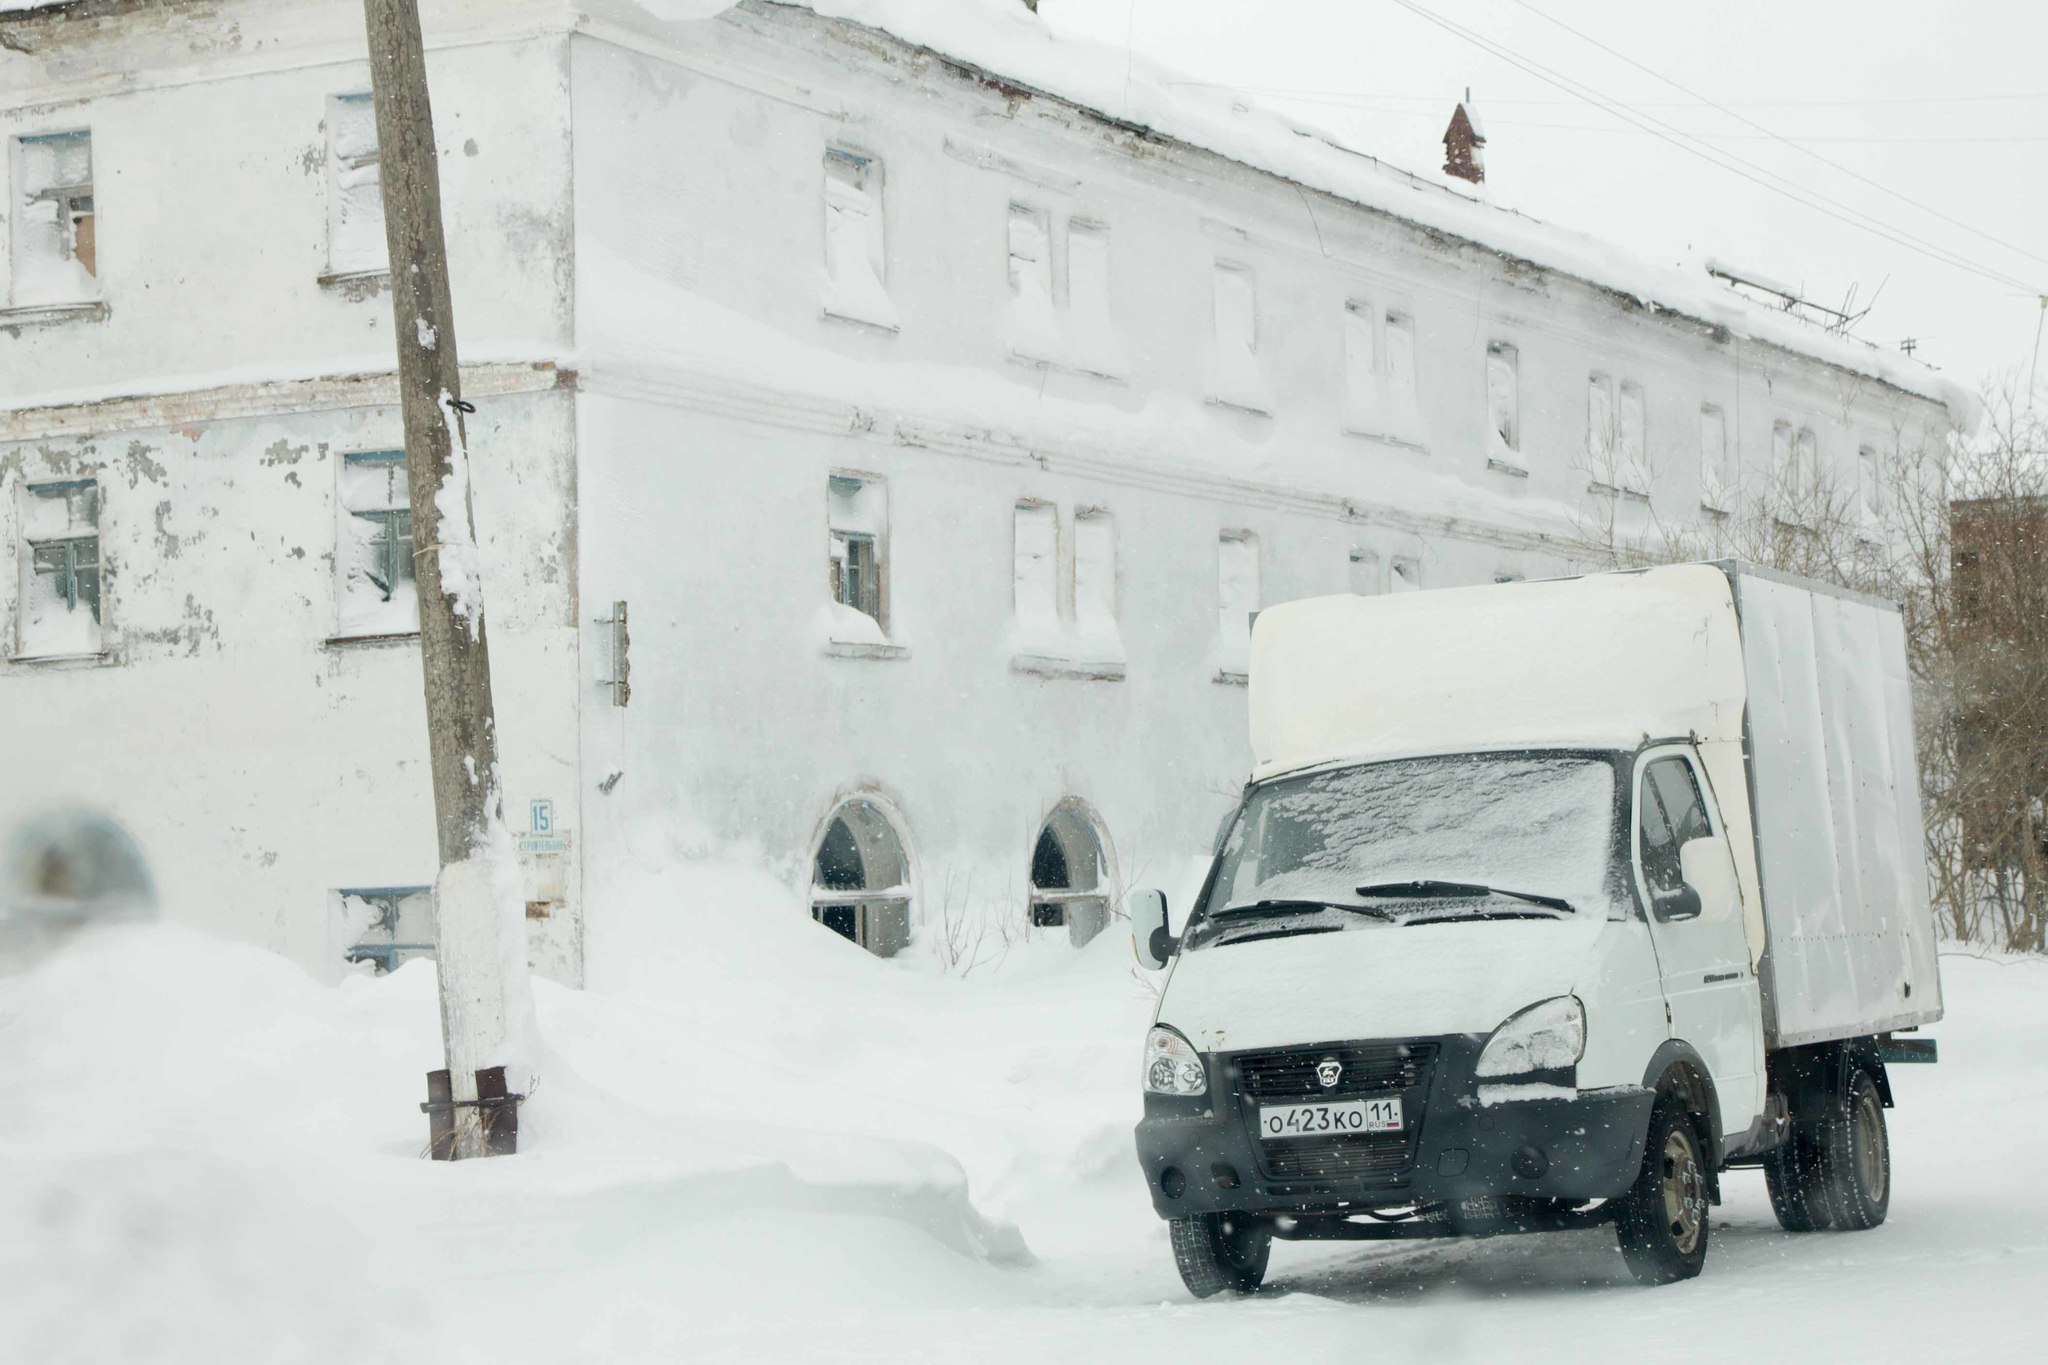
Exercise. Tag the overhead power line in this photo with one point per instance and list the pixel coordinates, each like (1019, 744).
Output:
(1437, 98)
(1746, 121)
(1727, 161)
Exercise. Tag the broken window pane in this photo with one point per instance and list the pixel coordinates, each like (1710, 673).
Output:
(854, 257)
(355, 188)
(378, 593)
(59, 570)
(56, 237)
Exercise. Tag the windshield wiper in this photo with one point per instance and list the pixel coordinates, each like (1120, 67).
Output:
(1266, 908)
(1435, 890)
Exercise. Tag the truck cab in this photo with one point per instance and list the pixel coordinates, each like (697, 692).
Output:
(1432, 989)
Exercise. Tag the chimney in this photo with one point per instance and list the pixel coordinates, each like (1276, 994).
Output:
(1465, 144)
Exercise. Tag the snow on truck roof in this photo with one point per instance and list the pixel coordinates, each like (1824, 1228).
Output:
(1595, 662)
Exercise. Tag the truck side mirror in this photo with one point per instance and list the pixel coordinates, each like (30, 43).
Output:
(1707, 875)
(1154, 945)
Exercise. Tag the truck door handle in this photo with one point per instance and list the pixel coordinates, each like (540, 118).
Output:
(1715, 978)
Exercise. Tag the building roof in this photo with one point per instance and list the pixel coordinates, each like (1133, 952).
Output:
(1002, 38)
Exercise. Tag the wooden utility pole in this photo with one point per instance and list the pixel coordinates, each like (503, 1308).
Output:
(486, 995)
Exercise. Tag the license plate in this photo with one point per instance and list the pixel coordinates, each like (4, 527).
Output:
(1322, 1120)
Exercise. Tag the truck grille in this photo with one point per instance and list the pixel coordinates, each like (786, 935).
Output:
(1369, 1069)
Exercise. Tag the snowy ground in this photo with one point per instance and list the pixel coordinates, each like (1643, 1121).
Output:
(764, 1145)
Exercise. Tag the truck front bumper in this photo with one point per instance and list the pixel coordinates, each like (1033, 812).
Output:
(1202, 1154)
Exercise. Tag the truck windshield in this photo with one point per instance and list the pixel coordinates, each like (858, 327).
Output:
(1307, 853)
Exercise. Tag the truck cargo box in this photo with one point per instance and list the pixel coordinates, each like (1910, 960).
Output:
(1797, 695)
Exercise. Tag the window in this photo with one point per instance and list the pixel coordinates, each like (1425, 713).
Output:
(1503, 399)
(1096, 347)
(1365, 572)
(860, 879)
(1632, 461)
(1404, 403)
(1870, 487)
(1067, 865)
(1783, 471)
(60, 570)
(1406, 577)
(857, 517)
(1036, 576)
(855, 263)
(1669, 814)
(374, 567)
(386, 927)
(1095, 584)
(1237, 598)
(1806, 463)
(355, 189)
(1034, 321)
(56, 234)
(1235, 378)
(1364, 406)
(1717, 480)
(1600, 430)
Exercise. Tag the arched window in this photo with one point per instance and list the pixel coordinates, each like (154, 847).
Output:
(1070, 874)
(860, 879)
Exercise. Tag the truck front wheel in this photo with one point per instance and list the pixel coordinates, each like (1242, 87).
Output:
(1219, 1251)
(1662, 1222)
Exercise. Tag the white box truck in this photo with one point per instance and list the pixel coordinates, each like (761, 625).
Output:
(1546, 903)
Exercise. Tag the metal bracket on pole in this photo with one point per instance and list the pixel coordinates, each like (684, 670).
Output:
(620, 682)
(499, 1113)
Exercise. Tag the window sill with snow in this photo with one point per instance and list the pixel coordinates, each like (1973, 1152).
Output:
(80, 659)
(847, 633)
(356, 284)
(372, 640)
(52, 314)
(1087, 669)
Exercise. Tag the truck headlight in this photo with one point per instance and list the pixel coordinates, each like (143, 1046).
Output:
(1547, 1036)
(1172, 1066)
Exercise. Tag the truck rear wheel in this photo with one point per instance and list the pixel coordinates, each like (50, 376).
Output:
(1855, 1156)
(1793, 1174)
(1219, 1251)
(1662, 1222)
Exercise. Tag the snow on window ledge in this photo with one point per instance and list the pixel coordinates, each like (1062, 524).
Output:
(1069, 666)
(86, 657)
(373, 281)
(1512, 468)
(865, 649)
(1231, 677)
(1608, 490)
(50, 314)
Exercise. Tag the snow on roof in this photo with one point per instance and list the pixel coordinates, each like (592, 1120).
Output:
(1004, 38)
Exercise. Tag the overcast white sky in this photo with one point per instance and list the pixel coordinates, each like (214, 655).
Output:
(1947, 104)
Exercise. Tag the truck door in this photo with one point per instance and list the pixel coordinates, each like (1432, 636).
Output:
(1709, 986)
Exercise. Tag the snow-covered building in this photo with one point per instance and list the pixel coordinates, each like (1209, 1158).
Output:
(888, 418)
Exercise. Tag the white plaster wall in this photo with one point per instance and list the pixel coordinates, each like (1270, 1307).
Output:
(258, 766)
(211, 186)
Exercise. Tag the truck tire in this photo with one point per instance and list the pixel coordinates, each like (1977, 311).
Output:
(1855, 1155)
(1793, 1175)
(1219, 1251)
(1662, 1220)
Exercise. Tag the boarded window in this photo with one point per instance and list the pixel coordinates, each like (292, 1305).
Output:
(1090, 317)
(1717, 479)
(376, 589)
(1095, 624)
(855, 269)
(1404, 403)
(355, 188)
(1034, 319)
(1365, 572)
(1235, 377)
(1237, 598)
(60, 570)
(1503, 398)
(857, 517)
(56, 233)
(1632, 460)
(1036, 574)
(1365, 406)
